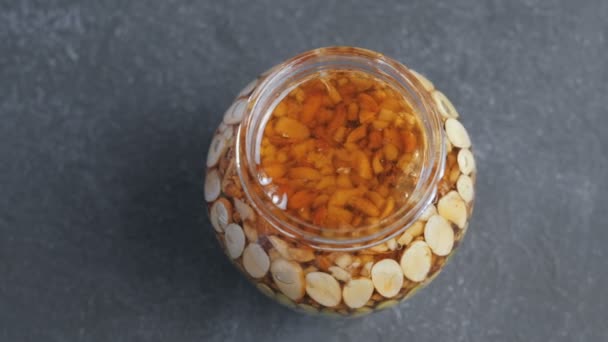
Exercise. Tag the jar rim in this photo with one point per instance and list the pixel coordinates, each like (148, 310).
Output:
(283, 78)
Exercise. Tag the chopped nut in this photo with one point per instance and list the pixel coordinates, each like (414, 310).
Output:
(392, 244)
(376, 198)
(367, 102)
(344, 260)
(341, 131)
(339, 273)
(323, 262)
(380, 248)
(357, 134)
(301, 254)
(388, 208)
(310, 107)
(244, 210)
(250, 232)
(364, 205)
(367, 269)
(291, 128)
(307, 173)
(301, 199)
(333, 93)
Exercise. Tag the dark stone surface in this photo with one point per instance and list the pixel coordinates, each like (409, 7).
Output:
(106, 114)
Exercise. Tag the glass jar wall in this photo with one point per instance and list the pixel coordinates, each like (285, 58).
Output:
(340, 181)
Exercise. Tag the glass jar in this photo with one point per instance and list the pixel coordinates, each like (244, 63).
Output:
(340, 267)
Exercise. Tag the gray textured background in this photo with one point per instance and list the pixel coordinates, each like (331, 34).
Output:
(107, 111)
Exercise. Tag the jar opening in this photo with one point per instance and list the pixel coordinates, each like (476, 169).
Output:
(278, 85)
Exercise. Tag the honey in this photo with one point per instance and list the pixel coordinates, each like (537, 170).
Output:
(341, 150)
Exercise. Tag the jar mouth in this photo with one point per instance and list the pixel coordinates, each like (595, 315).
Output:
(283, 78)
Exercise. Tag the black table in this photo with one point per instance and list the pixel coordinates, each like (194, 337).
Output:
(107, 110)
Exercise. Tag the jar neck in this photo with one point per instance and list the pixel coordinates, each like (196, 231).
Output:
(288, 75)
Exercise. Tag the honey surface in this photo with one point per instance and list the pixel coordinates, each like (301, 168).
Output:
(341, 150)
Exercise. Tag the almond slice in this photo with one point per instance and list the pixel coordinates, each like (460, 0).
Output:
(220, 214)
(235, 240)
(464, 184)
(428, 212)
(323, 288)
(444, 105)
(428, 85)
(244, 210)
(457, 133)
(357, 292)
(216, 149)
(213, 185)
(339, 273)
(255, 260)
(235, 112)
(452, 207)
(416, 261)
(289, 278)
(439, 235)
(249, 88)
(387, 277)
(466, 161)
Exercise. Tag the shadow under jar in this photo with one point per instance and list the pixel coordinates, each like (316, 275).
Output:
(340, 181)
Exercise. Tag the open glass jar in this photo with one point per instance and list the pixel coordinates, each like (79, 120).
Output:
(340, 181)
